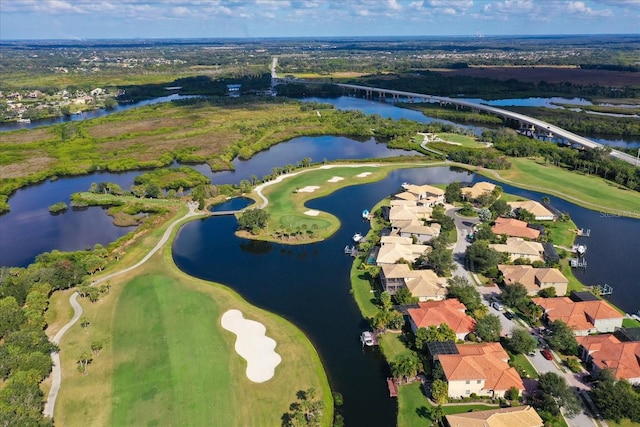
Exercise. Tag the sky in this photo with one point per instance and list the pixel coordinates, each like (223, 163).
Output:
(100, 19)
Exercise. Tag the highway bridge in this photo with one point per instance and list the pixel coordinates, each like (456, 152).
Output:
(531, 124)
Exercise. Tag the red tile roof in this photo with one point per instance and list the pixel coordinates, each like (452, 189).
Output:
(608, 352)
(449, 311)
(515, 228)
(578, 315)
(488, 362)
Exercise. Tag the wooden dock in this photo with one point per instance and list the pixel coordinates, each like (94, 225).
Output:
(578, 263)
(393, 387)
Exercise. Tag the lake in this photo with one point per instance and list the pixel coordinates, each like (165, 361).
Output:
(308, 284)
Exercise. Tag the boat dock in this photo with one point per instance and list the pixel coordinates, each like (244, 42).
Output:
(393, 387)
(581, 232)
(578, 263)
(351, 250)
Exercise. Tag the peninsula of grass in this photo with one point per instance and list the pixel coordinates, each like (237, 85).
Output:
(166, 360)
(588, 191)
(290, 221)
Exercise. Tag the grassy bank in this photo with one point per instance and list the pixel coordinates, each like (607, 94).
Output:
(587, 191)
(150, 372)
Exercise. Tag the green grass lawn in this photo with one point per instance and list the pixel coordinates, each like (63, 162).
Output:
(586, 190)
(362, 291)
(393, 345)
(162, 373)
(414, 410)
(522, 364)
(463, 140)
(630, 323)
(167, 361)
(286, 202)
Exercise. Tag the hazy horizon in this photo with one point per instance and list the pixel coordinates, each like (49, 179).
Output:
(179, 19)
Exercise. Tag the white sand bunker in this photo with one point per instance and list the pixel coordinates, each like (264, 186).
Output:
(363, 174)
(312, 212)
(308, 189)
(336, 179)
(253, 345)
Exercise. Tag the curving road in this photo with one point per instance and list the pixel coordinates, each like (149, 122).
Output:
(56, 371)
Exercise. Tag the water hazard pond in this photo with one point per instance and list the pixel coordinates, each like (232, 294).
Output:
(310, 284)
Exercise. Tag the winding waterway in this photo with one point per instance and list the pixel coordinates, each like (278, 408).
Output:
(308, 284)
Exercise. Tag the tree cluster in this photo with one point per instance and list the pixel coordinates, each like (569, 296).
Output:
(306, 411)
(616, 399)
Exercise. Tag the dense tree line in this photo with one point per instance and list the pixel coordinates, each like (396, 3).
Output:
(434, 83)
(596, 161)
(582, 122)
(24, 347)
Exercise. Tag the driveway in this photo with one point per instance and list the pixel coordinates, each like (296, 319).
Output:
(488, 293)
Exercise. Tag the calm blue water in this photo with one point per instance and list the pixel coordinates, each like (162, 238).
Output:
(91, 114)
(307, 284)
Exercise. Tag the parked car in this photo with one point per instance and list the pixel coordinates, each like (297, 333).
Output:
(546, 354)
(509, 315)
(497, 306)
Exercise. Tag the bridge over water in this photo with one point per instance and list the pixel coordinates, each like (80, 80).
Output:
(530, 123)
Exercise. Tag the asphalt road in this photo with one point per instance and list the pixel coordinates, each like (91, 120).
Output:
(488, 293)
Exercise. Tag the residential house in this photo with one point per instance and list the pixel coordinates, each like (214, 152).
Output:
(407, 212)
(391, 253)
(423, 284)
(520, 416)
(516, 247)
(97, 91)
(481, 369)
(416, 228)
(514, 228)
(539, 212)
(606, 351)
(435, 313)
(85, 99)
(425, 192)
(477, 190)
(534, 279)
(583, 317)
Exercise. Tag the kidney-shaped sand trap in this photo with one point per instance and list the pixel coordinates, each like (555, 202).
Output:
(253, 345)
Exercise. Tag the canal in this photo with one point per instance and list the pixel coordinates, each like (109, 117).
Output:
(309, 284)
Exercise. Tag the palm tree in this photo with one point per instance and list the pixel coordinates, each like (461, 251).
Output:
(437, 414)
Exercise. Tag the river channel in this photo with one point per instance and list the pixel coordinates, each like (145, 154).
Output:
(309, 284)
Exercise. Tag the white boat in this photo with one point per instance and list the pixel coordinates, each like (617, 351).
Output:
(405, 185)
(357, 237)
(366, 214)
(580, 249)
(367, 339)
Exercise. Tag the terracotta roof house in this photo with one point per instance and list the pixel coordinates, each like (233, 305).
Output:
(606, 351)
(514, 228)
(517, 416)
(423, 233)
(402, 202)
(584, 317)
(482, 369)
(435, 313)
(540, 212)
(516, 247)
(391, 253)
(534, 279)
(478, 189)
